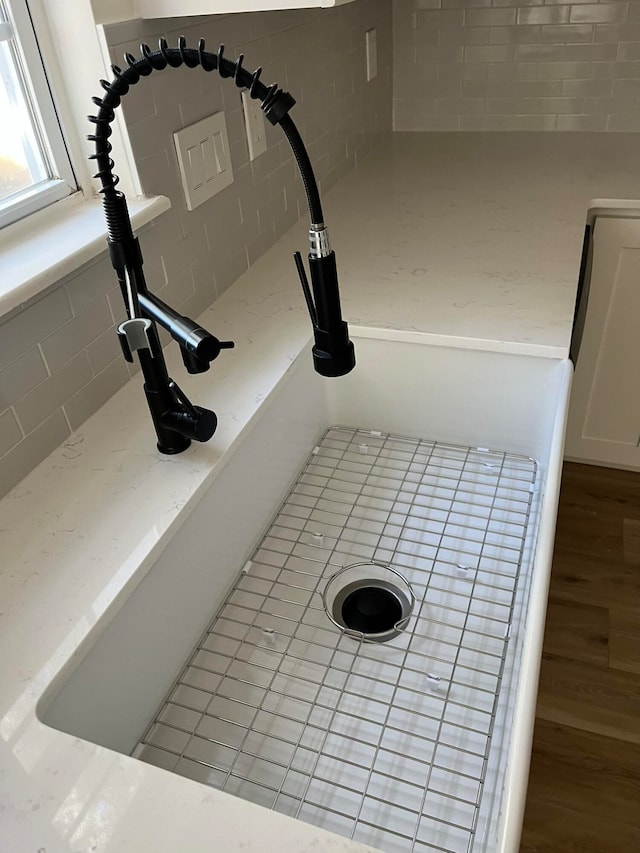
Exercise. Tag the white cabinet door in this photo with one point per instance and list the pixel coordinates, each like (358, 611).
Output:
(604, 414)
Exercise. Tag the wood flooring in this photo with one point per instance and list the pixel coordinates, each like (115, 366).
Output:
(584, 782)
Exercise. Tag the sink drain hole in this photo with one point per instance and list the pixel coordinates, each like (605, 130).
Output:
(371, 610)
(369, 601)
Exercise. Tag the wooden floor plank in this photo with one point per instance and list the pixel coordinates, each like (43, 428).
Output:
(625, 620)
(609, 759)
(593, 580)
(578, 631)
(624, 652)
(592, 533)
(606, 490)
(549, 828)
(589, 697)
(631, 540)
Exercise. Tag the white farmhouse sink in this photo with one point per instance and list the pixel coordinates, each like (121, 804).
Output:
(476, 399)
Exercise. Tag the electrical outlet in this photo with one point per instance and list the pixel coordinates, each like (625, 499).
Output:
(372, 54)
(254, 124)
(204, 159)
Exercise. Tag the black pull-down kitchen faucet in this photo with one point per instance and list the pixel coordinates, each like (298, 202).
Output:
(176, 420)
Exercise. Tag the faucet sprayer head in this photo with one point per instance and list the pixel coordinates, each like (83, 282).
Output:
(333, 352)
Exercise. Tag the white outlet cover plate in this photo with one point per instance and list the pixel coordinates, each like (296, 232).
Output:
(204, 159)
(255, 127)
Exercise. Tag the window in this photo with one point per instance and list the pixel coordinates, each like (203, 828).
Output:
(34, 164)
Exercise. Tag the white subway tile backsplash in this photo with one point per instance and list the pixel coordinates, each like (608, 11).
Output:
(464, 35)
(625, 70)
(543, 14)
(624, 88)
(511, 88)
(23, 457)
(490, 17)
(598, 13)
(21, 376)
(512, 71)
(569, 52)
(509, 106)
(578, 47)
(629, 123)
(54, 392)
(566, 33)
(445, 89)
(629, 51)
(515, 35)
(439, 19)
(610, 106)
(557, 106)
(437, 124)
(413, 113)
(104, 350)
(22, 330)
(460, 106)
(581, 123)
(563, 70)
(463, 71)
(463, 4)
(75, 335)
(440, 54)
(88, 400)
(618, 33)
(493, 53)
(89, 285)
(524, 122)
(10, 432)
(594, 88)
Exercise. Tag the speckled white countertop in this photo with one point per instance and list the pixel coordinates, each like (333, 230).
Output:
(475, 237)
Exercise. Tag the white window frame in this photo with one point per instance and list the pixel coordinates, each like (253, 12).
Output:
(62, 181)
(37, 251)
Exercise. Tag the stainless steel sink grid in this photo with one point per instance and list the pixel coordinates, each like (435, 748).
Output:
(384, 743)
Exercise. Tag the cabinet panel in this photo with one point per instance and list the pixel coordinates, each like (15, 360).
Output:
(604, 415)
(111, 11)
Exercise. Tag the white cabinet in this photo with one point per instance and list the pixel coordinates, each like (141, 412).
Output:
(604, 414)
(108, 11)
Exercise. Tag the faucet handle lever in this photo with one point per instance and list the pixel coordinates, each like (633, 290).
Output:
(302, 275)
(193, 422)
(182, 398)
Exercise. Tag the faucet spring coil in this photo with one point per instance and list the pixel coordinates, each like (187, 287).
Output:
(274, 101)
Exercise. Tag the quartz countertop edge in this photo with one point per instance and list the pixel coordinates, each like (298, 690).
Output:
(80, 531)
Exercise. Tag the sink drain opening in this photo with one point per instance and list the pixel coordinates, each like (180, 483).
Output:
(370, 601)
(371, 610)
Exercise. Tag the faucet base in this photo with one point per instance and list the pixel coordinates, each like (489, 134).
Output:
(178, 445)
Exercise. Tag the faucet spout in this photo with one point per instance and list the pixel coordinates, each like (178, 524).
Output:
(333, 353)
(198, 346)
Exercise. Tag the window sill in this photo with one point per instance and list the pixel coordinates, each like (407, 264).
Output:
(39, 251)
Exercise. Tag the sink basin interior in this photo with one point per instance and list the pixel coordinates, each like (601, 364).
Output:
(423, 719)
